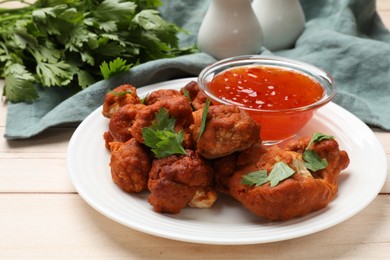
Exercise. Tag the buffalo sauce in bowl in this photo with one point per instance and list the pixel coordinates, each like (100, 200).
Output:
(266, 88)
(280, 94)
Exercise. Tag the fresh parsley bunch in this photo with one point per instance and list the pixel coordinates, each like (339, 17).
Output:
(63, 42)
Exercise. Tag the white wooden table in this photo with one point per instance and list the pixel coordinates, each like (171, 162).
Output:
(42, 216)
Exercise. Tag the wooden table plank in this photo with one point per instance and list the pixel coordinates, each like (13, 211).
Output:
(53, 141)
(37, 164)
(34, 176)
(3, 107)
(385, 21)
(383, 7)
(384, 139)
(65, 227)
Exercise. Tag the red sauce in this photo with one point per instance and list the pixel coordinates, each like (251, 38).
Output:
(269, 88)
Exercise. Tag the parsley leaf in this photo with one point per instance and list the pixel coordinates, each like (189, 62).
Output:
(255, 178)
(113, 67)
(204, 118)
(188, 96)
(317, 137)
(120, 93)
(144, 99)
(163, 121)
(279, 172)
(21, 84)
(169, 143)
(122, 10)
(313, 162)
(161, 136)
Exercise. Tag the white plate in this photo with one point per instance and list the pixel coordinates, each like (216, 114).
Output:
(227, 222)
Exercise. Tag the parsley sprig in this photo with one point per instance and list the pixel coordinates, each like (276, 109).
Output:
(312, 161)
(204, 118)
(62, 43)
(120, 93)
(161, 136)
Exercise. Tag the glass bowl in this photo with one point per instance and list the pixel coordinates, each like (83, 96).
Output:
(277, 123)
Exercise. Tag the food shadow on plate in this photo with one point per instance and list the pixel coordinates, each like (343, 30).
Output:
(226, 210)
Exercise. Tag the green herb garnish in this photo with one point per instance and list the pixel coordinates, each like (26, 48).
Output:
(144, 99)
(299, 165)
(161, 136)
(317, 137)
(256, 178)
(204, 118)
(114, 67)
(62, 43)
(279, 172)
(120, 93)
(187, 95)
(312, 161)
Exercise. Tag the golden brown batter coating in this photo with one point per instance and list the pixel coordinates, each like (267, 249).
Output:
(122, 120)
(160, 94)
(180, 180)
(224, 167)
(228, 129)
(130, 165)
(118, 97)
(108, 139)
(298, 195)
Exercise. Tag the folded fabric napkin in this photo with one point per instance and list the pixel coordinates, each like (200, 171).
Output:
(344, 37)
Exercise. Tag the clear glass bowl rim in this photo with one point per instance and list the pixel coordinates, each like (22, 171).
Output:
(324, 78)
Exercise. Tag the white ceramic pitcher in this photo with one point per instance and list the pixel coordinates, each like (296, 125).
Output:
(230, 28)
(282, 22)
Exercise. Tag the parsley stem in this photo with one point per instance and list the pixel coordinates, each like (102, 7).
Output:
(13, 17)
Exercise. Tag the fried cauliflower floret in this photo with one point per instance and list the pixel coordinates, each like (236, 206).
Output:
(178, 107)
(197, 97)
(121, 121)
(118, 97)
(130, 165)
(204, 198)
(228, 129)
(160, 94)
(302, 193)
(108, 139)
(178, 181)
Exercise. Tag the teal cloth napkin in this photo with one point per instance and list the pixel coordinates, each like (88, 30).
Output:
(344, 37)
